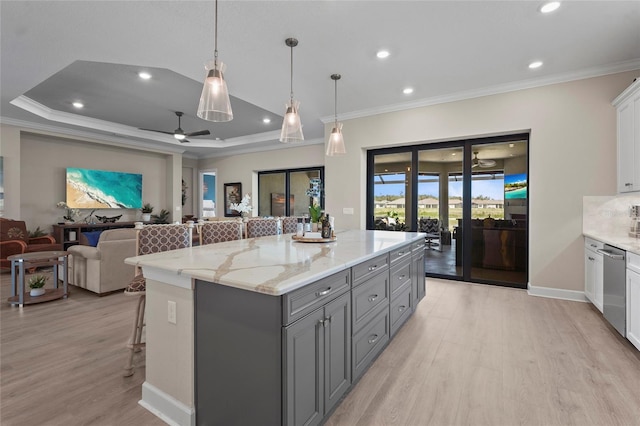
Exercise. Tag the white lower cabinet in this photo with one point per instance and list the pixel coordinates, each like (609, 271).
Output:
(593, 272)
(633, 299)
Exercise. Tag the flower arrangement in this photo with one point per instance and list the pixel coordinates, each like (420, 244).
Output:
(315, 191)
(37, 281)
(243, 207)
(71, 213)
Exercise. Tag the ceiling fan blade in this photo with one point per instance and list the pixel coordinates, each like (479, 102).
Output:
(185, 141)
(158, 131)
(200, 133)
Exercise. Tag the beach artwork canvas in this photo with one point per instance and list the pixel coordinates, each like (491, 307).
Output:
(102, 189)
(515, 186)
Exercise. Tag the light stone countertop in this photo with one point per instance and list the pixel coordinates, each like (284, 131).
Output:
(274, 265)
(623, 242)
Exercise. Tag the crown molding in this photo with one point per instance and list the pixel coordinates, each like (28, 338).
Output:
(251, 149)
(492, 90)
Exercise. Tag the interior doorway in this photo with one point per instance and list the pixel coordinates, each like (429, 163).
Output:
(470, 198)
(207, 199)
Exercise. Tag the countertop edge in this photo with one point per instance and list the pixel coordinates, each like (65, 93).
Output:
(629, 244)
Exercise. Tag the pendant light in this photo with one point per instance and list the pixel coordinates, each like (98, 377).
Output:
(214, 101)
(336, 141)
(291, 125)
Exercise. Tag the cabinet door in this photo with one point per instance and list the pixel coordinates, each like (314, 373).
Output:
(304, 361)
(633, 307)
(418, 285)
(337, 350)
(626, 147)
(598, 281)
(589, 275)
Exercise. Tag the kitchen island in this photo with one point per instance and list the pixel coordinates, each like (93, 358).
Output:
(270, 330)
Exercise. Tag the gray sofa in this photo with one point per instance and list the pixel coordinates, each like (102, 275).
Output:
(101, 269)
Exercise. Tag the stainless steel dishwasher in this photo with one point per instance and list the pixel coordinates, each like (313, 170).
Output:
(614, 287)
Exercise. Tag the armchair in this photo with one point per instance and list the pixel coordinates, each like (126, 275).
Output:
(432, 228)
(101, 269)
(14, 239)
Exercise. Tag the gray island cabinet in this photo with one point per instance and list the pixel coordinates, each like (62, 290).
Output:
(270, 331)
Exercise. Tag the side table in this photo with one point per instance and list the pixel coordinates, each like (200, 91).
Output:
(20, 262)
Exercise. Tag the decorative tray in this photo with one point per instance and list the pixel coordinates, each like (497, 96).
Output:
(313, 240)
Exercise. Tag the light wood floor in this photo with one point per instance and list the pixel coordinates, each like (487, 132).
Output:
(470, 355)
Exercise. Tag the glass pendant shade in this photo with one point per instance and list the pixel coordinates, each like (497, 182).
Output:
(336, 142)
(291, 125)
(214, 101)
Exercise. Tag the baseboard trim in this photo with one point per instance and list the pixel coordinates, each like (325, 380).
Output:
(557, 293)
(166, 407)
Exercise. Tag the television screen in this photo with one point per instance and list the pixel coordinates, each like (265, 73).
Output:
(515, 186)
(101, 189)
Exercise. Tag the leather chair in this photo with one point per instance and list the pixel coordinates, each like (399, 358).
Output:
(151, 239)
(221, 231)
(14, 239)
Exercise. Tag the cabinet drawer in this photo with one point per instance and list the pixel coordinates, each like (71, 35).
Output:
(633, 262)
(400, 310)
(400, 278)
(368, 268)
(367, 297)
(591, 244)
(302, 301)
(417, 246)
(369, 342)
(401, 253)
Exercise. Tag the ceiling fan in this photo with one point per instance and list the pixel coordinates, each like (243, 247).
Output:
(482, 163)
(180, 134)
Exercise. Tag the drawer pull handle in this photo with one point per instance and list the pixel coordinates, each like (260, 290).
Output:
(373, 297)
(593, 245)
(373, 339)
(400, 253)
(373, 267)
(402, 277)
(628, 184)
(401, 308)
(591, 258)
(323, 292)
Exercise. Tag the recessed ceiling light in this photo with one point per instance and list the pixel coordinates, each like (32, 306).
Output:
(382, 54)
(511, 145)
(549, 6)
(453, 153)
(407, 90)
(144, 75)
(535, 64)
(78, 104)
(266, 120)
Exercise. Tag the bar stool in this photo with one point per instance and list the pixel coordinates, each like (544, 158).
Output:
(262, 227)
(218, 232)
(151, 239)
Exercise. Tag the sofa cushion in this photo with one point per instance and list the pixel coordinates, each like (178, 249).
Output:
(92, 237)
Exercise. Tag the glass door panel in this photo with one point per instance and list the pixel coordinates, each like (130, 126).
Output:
(392, 191)
(440, 208)
(271, 190)
(299, 201)
(498, 212)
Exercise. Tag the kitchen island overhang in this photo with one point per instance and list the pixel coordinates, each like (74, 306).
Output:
(268, 266)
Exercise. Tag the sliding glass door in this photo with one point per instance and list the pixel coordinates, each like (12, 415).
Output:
(470, 199)
(283, 192)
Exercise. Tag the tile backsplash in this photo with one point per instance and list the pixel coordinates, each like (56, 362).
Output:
(608, 214)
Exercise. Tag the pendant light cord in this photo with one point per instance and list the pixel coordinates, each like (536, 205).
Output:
(292, 75)
(215, 39)
(335, 106)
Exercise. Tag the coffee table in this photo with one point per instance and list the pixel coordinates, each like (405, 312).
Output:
(20, 262)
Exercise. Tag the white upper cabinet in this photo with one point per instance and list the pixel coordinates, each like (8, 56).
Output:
(628, 113)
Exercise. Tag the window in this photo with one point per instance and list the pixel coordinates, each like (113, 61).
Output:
(283, 192)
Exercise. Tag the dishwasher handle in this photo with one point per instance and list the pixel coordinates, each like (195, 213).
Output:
(610, 254)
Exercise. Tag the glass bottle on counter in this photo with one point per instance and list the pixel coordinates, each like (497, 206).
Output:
(326, 227)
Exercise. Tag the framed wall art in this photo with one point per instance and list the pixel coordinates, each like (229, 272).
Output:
(232, 194)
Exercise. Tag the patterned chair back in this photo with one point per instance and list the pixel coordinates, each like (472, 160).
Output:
(218, 232)
(289, 225)
(262, 227)
(159, 238)
(430, 226)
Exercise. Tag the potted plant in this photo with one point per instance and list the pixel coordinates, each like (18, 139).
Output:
(36, 284)
(162, 217)
(146, 210)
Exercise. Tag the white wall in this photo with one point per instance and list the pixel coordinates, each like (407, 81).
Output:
(243, 168)
(573, 135)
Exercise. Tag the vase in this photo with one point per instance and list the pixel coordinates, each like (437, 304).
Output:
(146, 217)
(314, 226)
(37, 291)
